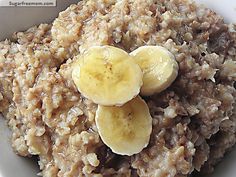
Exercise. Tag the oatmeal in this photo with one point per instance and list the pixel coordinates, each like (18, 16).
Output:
(193, 121)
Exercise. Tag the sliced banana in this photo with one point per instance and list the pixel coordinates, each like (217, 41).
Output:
(107, 75)
(126, 129)
(159, 68)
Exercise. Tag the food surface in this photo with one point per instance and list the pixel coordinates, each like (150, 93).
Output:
(193, 120)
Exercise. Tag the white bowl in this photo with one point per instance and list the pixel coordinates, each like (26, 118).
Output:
(20, 18)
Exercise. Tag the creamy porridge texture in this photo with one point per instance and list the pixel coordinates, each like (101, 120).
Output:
(193, 121)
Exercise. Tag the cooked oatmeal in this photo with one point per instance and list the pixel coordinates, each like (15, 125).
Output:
(194, 120)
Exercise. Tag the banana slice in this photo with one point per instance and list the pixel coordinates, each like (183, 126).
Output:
(159, 68)
(126, 129)
(107, 75)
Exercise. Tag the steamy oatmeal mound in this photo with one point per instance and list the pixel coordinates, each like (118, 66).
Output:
(193, 120)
